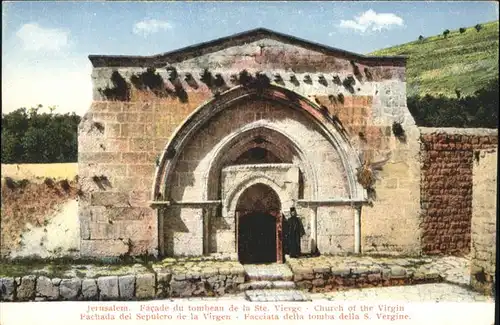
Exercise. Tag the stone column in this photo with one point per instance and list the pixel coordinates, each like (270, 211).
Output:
(236, 225)
(160, 215)
(314, 232)
(207, 213)
(357, 229)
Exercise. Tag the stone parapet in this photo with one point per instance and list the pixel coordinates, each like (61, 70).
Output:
(333, 273)
(203, 277)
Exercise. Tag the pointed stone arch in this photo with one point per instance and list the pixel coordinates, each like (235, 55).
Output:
(331, 131)
(224, 149)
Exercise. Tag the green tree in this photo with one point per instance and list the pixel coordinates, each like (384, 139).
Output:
(462, 30)
(32, 137)
(478, 27)
(446, 33)
(479, 110)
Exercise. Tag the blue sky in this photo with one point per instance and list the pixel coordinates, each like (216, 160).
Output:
(45, 45)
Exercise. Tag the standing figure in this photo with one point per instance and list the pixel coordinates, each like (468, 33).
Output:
(295, 230)
(284, 232)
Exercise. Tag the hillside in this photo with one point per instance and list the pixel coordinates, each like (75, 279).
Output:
(439, 65)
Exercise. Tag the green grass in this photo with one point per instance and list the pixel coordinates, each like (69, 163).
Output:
(438, 65)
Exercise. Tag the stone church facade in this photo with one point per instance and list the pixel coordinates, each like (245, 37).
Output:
(199, 151)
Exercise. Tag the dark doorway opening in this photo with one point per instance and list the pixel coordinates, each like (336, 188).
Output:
(257, 238)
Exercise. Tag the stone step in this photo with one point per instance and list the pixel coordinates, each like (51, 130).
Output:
(256, 285)
(270, 277)
(276, 295)
(284, 285)
(270, 272)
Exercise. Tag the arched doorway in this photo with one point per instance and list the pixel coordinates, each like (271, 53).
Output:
(258, 218)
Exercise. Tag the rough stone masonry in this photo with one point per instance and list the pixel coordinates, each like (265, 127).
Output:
(163, 131)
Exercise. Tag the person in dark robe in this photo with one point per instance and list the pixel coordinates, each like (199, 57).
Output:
(284, 232)
(294, 233)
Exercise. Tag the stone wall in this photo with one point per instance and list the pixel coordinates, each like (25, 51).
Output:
(483, 224)
(447, 157)
(120, 142)
(330, 274)
(127, 286)
(38, 203)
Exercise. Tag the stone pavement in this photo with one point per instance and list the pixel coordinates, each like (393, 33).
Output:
(453, 269)
(432, 292)
(435, 292)
(276, 295)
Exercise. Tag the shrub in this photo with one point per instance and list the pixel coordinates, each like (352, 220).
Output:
(420, 38)
(462, 30)
(479, 110)
(446, 33)
(31, 137)
(478, 27)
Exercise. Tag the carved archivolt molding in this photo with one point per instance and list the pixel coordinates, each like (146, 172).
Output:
(264, 129)
(209, 109)
(232, 199)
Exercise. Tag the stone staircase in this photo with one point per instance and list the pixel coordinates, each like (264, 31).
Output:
(270, 282)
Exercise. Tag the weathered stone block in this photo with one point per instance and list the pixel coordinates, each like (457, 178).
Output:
(26, 287)
(112, 130)
(125, 184)
(140, 199)
(99, 157)
(397, 271)
(102, 231)
(141, 144)
(115, 106)
(46, 288)
(200, 289)
(181, 288)
(7, 289)
(321, 269)
(141, 170)
(89, 289)
(127, 117)
(116, 145)
(145, 286)
(132, 130)
(304, 285)
(69, 289)
(163, 284)
(113, 199)
(134, 157)
(126, 284)
(341, 271)
(108, 288)
(374, 278)
(239, 279)
(129, 213)
(103, 248)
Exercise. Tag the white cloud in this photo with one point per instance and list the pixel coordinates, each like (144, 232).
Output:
(146, 27)
(37, 38)
(372, 22)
